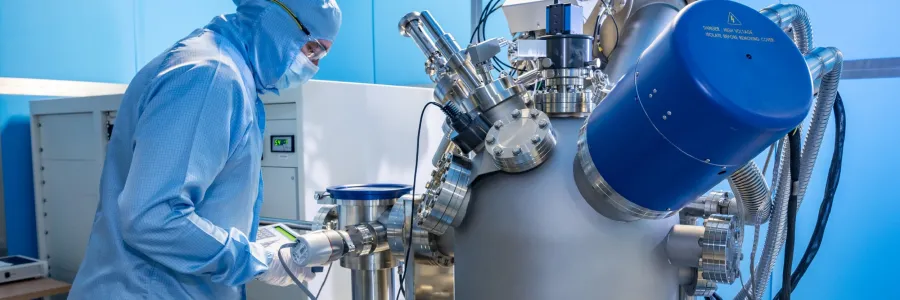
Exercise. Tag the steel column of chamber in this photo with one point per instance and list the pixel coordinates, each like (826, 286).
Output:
(372, 284)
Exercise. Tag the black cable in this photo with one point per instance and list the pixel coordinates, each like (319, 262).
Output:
(834, 176)
(324, 280)
(410, 262)
(288, 271)
(794, 143)
(481, 27)
(714, 296)
(488, 15)
(616, 45)
(481, 19)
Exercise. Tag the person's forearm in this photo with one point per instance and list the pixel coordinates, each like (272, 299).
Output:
(187, 243)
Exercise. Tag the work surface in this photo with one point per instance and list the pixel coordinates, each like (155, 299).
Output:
(34, 288)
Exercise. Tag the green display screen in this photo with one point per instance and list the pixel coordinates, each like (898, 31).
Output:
(286, 234)
(282, 143)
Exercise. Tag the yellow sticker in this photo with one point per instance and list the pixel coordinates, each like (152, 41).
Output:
(732, 20)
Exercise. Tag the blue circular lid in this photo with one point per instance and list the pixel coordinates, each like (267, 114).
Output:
(745, 63)
(373, 191)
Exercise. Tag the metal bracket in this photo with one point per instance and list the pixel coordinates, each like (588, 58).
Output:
(322, 197)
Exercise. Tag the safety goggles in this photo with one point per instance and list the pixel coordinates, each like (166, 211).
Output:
(313, 49)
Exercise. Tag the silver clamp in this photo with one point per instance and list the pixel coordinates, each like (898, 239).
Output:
(448, 195)
(720, 254)
(702, 287)
(521, 141)
(327, 216)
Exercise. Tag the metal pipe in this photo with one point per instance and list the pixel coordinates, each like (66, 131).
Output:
(529, 78)
(450, 49)
(683, 245)
(372, 284)
(425, 43)
(293, 224)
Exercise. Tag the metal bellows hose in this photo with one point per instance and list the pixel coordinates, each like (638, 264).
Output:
(819, 121)
(752, 192)
(794, 17)
(830, 61)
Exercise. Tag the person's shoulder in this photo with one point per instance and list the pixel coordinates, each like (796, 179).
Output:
(205, 54)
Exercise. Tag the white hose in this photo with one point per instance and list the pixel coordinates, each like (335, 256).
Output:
(794, 17)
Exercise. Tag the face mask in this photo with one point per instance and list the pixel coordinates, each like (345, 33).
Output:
(299, 72)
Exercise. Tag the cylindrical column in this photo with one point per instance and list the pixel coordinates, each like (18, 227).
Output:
(413, 24)
(372, 284)
(363, 204)
(683, 245)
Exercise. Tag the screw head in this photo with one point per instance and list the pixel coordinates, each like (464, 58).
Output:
(669, 113)
(498, 151)
(490, 139)
(542, 124)
(516, 113)
(654, 91)
(534, 114)
(536, 139)
(664, 117)
(517, 150)
(651, 96)
(498, 124)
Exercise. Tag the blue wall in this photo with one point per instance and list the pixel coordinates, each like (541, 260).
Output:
(109, 40)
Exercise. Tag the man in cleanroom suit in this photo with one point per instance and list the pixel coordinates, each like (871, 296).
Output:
(181, 188)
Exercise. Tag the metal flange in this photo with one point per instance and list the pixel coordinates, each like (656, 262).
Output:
(425, 243)
(720, 254)
(447, 197)
(702, 287)
(521, 141)
(327, 216)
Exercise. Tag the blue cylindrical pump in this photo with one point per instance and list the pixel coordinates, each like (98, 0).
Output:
(718, 85)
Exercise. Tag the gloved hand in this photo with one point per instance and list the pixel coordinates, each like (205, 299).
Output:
(277, 274)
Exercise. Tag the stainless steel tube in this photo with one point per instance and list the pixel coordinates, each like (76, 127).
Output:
(425, 43)
(449, 48)
(293, 224)
(372, 284)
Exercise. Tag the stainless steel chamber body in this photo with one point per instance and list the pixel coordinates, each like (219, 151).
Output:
(532, 236)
